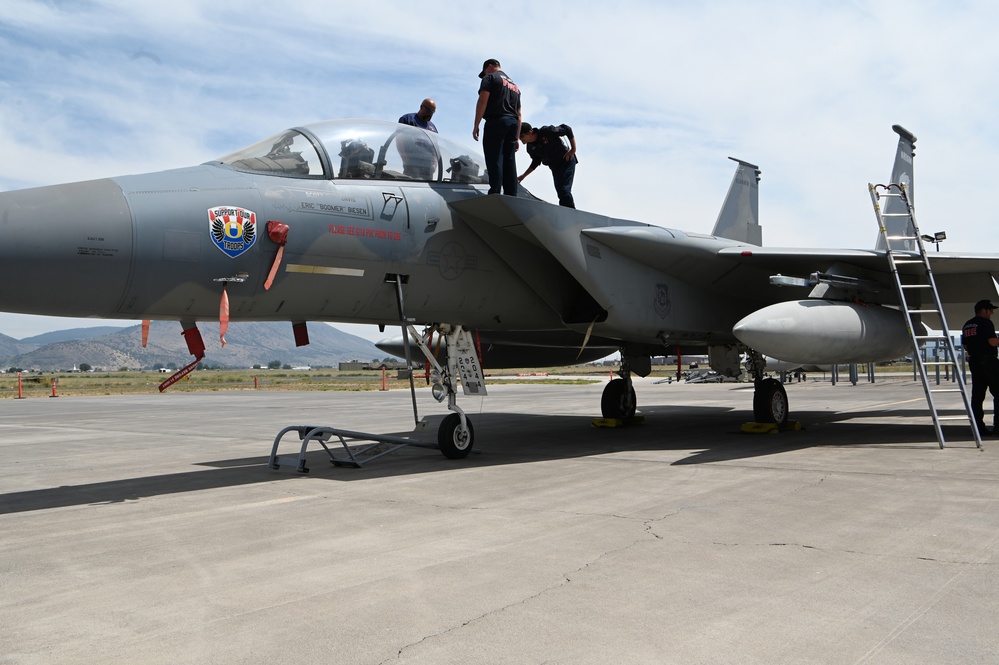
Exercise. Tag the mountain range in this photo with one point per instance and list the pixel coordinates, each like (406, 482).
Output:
(111, 348)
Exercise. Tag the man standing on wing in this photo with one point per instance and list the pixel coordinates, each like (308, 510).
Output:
(499, 105)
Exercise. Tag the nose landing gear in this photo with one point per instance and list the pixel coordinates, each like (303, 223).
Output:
(455, 436)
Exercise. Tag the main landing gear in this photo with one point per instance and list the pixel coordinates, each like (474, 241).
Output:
(770, 403)
(618, 399)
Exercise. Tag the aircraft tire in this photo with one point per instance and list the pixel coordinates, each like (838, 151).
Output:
(453, 441)
(615, 402)
(770, 404)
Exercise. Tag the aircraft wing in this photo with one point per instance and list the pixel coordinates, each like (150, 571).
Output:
(961, 279)
(555, 246)
(943, 263)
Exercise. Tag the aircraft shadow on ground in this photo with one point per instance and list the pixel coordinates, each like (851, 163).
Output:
(709, 434)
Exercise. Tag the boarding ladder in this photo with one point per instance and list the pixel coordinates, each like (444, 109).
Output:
(905, 249)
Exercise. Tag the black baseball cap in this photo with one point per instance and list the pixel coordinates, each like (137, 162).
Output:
(984, 304)
(490, 61)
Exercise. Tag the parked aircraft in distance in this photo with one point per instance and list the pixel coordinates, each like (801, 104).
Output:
(373, 222)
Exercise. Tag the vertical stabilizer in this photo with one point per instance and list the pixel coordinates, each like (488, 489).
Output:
(739, 218)
(901, 174)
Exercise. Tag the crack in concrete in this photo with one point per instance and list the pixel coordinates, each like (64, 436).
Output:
(857, 553)
(566, 580)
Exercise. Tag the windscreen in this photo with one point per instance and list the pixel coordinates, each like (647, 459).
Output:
(289, 153)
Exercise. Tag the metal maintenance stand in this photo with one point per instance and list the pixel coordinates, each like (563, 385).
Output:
(353, 456)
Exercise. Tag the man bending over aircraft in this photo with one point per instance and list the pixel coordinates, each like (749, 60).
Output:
(544, 145)
(982, 346)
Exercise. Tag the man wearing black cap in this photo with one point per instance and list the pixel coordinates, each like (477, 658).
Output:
(499, 104)
(982, 348)
(544, 146)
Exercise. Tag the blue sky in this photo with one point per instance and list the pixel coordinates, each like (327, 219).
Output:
(659, 93)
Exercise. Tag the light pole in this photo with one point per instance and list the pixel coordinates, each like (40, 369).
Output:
(936, 238)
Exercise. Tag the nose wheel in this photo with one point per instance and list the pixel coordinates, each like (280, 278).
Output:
(455, 440)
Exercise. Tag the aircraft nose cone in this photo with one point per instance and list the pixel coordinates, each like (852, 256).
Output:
(65, 250)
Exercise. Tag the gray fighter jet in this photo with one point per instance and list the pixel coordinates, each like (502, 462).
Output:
(373, 222)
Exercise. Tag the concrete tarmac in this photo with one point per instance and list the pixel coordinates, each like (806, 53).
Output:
(148, 529)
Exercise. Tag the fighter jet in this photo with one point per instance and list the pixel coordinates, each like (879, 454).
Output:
(371, 222)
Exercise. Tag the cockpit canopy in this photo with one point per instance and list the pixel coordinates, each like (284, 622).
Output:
(360, 150)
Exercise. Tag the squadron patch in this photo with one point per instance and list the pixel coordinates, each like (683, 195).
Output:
(233, 230)
(662, 303)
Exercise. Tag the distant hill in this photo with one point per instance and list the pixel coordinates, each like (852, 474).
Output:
(70, 335)
(248, 343)
(12, 347)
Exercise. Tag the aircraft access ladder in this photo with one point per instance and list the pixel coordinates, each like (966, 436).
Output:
(897, 257)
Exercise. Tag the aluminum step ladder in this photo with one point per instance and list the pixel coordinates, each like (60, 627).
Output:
(907, 248)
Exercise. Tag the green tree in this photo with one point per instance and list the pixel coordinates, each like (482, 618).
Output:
(274, 364)
(84, 367)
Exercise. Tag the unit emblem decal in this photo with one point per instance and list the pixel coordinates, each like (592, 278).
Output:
(662, 303)
(233, 230)
(452, 260)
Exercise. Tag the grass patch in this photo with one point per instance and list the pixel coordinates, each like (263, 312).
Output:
(147, 382)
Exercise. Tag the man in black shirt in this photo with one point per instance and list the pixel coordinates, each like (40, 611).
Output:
(499, 104)
(544, 145)
(982, 348)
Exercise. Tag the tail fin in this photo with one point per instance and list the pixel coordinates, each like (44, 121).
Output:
(739, 217)
(901, 174)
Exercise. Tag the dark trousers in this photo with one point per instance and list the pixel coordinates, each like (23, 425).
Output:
(499, 145)
(984, 377)
(562, 175)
